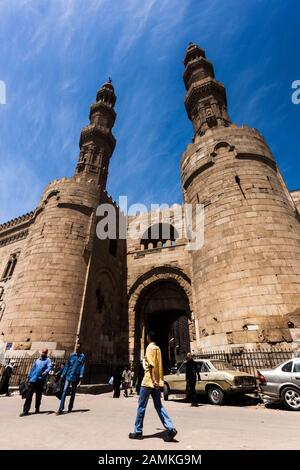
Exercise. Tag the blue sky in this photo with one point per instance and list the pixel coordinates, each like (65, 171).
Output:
(55, 54)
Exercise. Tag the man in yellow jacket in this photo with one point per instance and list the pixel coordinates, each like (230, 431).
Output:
(151, 385)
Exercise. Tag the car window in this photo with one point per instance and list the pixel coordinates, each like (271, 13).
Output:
(203, 367)
(297, 366)
(182, 368)
(221, 365)
(287, 367)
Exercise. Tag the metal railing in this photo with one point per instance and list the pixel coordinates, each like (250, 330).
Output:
(23, 365)
(249, 360)
(99, 372)
(95, 372)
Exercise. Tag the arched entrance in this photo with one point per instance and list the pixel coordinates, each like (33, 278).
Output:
(161, 302)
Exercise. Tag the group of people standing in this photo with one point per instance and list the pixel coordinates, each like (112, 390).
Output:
(69, 376)
(149, 381)
(126, 380)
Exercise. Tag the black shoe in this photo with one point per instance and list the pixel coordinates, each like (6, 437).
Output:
(59, 412)
(170, 436)
(134, 435)
(23, 414)
(69, 411)
(37, 412)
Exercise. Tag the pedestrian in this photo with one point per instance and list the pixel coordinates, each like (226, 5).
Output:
(126, 378)
(72, 374)
(191, 376)
(152, 383)
(117, 381)
(4, 383)
(36, 381)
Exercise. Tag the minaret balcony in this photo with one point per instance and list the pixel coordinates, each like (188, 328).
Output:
(96, 133)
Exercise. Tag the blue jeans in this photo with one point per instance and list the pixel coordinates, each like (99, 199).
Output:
(145, 393)
(64, 393)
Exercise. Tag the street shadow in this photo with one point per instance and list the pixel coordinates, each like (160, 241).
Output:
(230, 401)
(243, 401)
(79, 411)
(276, 406)
(49, 412)
(159, 435)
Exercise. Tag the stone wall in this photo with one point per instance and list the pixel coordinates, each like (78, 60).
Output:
(45, 299)
(153, 265)
(13, 239)
(104, 325)
(246, 278)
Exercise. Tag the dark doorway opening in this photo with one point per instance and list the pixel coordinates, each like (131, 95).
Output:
(164, 309)
(172, 335)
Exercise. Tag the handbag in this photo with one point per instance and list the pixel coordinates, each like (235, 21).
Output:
(53, 388)
(23, 389)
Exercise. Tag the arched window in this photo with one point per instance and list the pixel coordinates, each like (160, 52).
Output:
(10, 267)
(159, 235)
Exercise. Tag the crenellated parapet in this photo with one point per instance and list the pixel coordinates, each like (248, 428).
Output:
(17, 222)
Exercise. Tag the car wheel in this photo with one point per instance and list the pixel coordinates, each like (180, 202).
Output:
(291, 398)
(216, 395)
(166, 392)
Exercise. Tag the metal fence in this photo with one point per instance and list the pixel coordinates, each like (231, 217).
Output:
(100, 372)
(248, 360)
(95, 372)
(23, 365)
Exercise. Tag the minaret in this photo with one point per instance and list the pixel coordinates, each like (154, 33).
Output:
(97, 142)
(246, 276)
(46, 302)
(205, 101)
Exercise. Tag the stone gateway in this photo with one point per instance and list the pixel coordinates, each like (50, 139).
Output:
(241, 289)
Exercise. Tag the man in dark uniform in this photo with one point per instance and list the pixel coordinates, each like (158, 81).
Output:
(191, 375)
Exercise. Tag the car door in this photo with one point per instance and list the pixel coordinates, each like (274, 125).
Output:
(204, 376)
(178, 381)
(277, 377)
(296, 373)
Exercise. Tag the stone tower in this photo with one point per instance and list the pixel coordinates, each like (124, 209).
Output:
(44, 302)
(246, 277)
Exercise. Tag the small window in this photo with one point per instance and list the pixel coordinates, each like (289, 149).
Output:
(113, 246)
(287, 367)
(10, 267)
(297, 366)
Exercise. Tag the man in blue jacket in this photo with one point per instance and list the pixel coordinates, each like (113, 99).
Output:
(36, 381)
(72, 374)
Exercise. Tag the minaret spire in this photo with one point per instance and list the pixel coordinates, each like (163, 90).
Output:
(205, 101)
(97, 142)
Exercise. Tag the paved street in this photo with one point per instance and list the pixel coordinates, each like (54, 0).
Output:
(100, 422)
